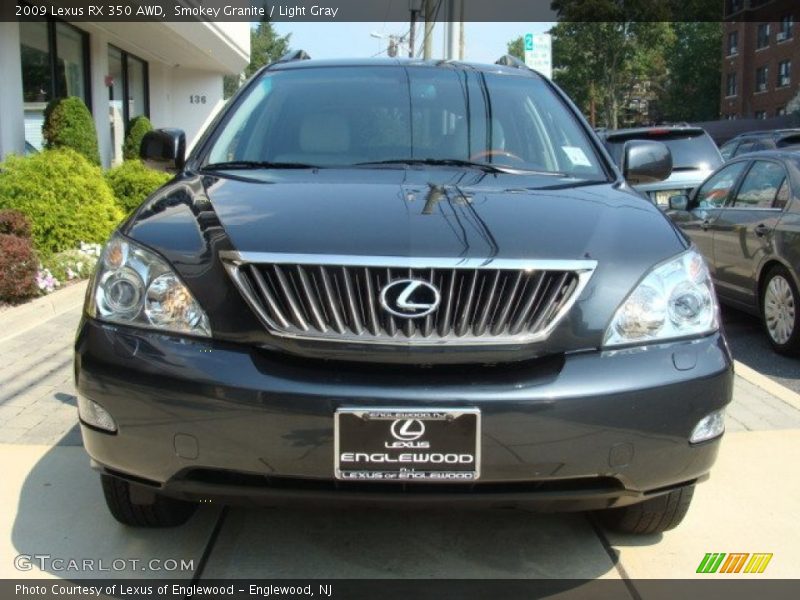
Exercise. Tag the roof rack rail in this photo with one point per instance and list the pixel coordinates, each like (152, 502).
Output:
(294, 55)
(511, 61)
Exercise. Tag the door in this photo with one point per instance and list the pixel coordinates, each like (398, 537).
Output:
(706, 206)
(743, 232)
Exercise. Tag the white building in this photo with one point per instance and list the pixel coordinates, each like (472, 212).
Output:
(171, 72)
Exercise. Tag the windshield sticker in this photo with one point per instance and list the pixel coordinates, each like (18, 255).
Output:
(576, 156)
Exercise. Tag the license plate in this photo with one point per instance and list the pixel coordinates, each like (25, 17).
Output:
(661, 198)
(407, 444)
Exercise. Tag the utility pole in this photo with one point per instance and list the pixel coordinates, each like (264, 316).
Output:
(451, 43)
(428, 41)
(461, 30)
(414, 7)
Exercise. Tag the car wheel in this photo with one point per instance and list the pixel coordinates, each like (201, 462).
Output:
(658, 514)
(780, 304)
(162, 512)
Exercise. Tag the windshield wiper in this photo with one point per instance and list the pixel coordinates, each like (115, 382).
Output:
(457, 162)
(244, 165)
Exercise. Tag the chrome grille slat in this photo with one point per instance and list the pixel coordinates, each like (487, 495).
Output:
(479, 303)
(291, 300)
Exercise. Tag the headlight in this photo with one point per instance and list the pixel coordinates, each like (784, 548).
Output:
(134, 286)
(676, 299)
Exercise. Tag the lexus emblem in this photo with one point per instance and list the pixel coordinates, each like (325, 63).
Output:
(410, 298)
(408, 430)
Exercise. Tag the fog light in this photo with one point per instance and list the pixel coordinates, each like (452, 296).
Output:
(95, 415)
(710, 426)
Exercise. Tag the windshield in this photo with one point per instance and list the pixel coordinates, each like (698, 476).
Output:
(344, 116)
(689, 151)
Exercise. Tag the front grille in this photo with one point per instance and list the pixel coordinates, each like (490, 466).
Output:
(484, 304)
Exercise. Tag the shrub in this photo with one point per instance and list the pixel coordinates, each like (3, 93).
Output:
(132, 182)
(18, 267)
(65, 197)
(77, 263)
(138, 127)
(69, 124)
(14, 222)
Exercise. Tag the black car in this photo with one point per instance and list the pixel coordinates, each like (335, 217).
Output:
(756, 141)
(401, 282)
(694, 157)
(745, 220)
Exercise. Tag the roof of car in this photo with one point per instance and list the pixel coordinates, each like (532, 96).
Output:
(788, 152)
(767, 132)
(400, 62)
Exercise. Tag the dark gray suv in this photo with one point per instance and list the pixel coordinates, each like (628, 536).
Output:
(401, 282)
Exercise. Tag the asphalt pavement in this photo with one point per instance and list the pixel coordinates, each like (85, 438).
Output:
(749, 345)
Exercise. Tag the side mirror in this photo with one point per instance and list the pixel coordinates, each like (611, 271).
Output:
(644, 161)
(164, 149)
(679, 202)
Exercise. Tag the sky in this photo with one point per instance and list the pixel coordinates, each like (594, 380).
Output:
(485, 42)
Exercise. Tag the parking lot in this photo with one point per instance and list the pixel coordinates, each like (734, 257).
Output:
(52, 503)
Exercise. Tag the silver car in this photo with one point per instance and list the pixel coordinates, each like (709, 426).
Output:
(694, 157)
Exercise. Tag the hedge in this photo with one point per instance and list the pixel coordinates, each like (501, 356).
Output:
(18, 261)
(133, 141)
(65, 197)
(132, 182)
(69, 124)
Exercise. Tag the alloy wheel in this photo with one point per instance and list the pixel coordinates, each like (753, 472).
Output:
(779, 309)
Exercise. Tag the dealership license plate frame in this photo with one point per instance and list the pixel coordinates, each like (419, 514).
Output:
(389, 415)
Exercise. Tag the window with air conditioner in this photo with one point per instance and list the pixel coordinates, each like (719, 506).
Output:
(761, 79)
(733, 43)
(762, 35)
(787, 24)
(784, 73)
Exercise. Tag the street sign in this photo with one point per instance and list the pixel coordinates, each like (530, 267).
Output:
(539, 53)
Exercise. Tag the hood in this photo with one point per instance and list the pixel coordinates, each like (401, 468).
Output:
(408, 213)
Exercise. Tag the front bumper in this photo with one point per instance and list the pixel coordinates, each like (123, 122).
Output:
(211, 420)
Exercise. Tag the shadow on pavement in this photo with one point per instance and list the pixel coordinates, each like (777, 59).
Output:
(60, 512)
(57, 509)
(749, 345)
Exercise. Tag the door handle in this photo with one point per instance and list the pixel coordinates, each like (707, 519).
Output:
(761, 230)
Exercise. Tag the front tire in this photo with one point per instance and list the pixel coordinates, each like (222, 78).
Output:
(656, 515)
(162, 512)
(780, 311)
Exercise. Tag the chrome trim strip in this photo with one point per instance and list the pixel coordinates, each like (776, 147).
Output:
(411, 262)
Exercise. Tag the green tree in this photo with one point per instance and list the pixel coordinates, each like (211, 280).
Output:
(266, 46)
(516, 48)
(694, 63)
(606, 63)
(138, 127)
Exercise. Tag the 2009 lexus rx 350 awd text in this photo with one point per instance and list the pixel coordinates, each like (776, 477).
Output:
(402, 282)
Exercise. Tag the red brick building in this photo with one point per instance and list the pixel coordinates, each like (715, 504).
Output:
(760, 58)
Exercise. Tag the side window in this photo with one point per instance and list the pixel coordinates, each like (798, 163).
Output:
(727, 150)
(744, 148)
(760, 186)
(715, 192)
(782, 198)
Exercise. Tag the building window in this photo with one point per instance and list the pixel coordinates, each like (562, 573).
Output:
(733, 43)
(730, 88)
(760, 114)
(784, 73)
(55, 64)
(762, 35)
(733, 6)
(128, 94)
(761, 79)
(787, 24)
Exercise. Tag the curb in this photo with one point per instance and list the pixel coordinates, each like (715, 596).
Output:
(19, 319)
(767, 384)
